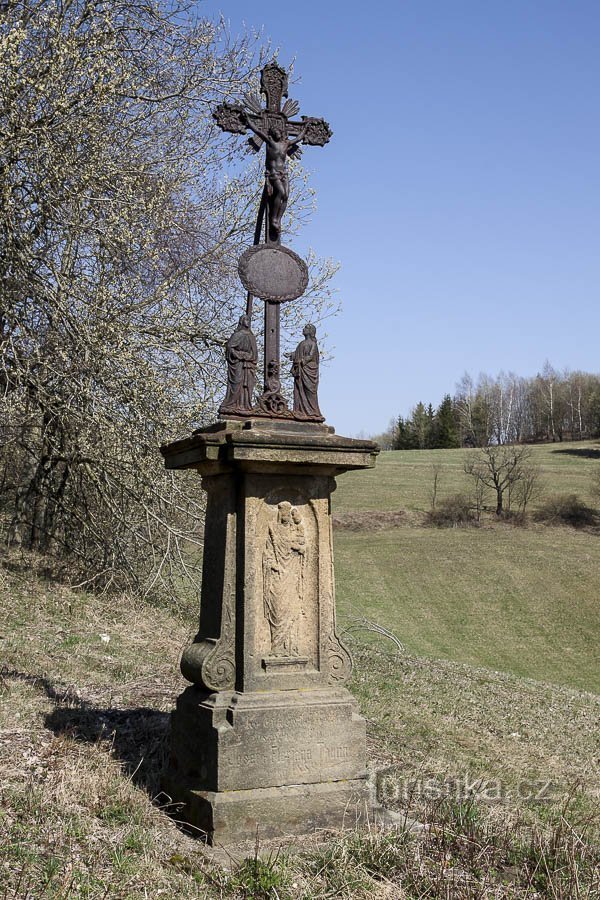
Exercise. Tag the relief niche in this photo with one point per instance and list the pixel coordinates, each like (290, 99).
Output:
(286, 577)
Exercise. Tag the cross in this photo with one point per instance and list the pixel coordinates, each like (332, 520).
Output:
(272, 126)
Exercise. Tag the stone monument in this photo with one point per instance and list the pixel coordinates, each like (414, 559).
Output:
(267, 739)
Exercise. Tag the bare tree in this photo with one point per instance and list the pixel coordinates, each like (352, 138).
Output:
(118, 245)
(479, 494)
(502, 467)
(526, 488)
(387, 439)
(550, 403)
(475, 407)
(436, 469)
(464, 398)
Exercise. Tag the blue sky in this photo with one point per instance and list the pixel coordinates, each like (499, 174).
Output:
(460, 191)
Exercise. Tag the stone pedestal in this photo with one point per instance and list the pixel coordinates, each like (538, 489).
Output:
(267, 737)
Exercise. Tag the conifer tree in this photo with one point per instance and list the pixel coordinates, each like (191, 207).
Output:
(446, 429)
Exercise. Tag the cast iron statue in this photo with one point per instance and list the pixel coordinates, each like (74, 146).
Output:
(269, 270)
(305, 369)
(277, 183)
(242, 356)
(282, 137)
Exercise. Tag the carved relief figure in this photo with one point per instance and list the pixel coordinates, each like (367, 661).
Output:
(242, 356)
(300, 543)
(283, 579)
(305, 369)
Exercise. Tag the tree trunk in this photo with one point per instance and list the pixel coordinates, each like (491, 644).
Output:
(30, 447)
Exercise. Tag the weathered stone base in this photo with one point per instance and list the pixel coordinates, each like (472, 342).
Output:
(267, 738)
(229, 741)
(228, 817)
(285, 762)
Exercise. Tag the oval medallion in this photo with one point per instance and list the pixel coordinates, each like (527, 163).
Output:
(273, 272)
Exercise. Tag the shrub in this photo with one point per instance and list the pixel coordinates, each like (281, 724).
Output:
(567, 509)
(518, 518)
(452, 511)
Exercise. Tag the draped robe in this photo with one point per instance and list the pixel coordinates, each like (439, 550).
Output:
(305, 369)
(241, 356)
(283, 563)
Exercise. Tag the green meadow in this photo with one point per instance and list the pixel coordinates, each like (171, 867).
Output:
(403, 478)
(519, 599)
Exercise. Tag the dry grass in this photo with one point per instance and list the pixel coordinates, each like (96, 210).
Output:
(83, 727)
(83, 737)
(522, 747)
(370, 520)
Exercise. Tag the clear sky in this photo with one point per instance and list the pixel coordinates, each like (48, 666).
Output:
(460, 191)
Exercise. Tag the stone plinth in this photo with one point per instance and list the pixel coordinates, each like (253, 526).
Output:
(267, 736)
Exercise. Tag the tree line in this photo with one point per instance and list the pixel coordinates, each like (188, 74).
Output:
(505, 409)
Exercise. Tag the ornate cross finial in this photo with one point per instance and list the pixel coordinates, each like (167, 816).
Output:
(274, 85)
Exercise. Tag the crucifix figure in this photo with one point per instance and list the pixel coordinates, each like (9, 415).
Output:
(273, 127)
(281, 273)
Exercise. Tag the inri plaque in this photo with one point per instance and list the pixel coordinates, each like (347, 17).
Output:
(273, 272)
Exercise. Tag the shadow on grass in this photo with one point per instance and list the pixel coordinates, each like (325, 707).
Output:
(25, 563)
(139, 737)
(581, 452)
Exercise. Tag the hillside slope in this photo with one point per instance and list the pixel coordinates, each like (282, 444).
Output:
(403, 478)
(86, 685)
(524, 600)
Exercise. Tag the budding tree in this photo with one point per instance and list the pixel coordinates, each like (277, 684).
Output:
(119, 236)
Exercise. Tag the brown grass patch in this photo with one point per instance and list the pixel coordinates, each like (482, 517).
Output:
(370, 520)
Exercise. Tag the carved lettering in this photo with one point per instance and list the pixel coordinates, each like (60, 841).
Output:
(333, 754)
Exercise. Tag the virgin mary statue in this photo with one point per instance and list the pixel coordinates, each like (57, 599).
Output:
(305, 369)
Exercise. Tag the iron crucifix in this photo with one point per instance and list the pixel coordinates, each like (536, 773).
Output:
(282, 137)
(273, 126)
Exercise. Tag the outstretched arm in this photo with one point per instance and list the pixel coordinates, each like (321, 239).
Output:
(258, 131)
(294, 141)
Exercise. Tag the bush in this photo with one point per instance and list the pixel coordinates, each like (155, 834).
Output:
(452, 512)
(518, 518)
(596, 482)
(567, 509)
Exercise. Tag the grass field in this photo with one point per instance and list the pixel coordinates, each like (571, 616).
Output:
(524, 600)
(402, 479)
